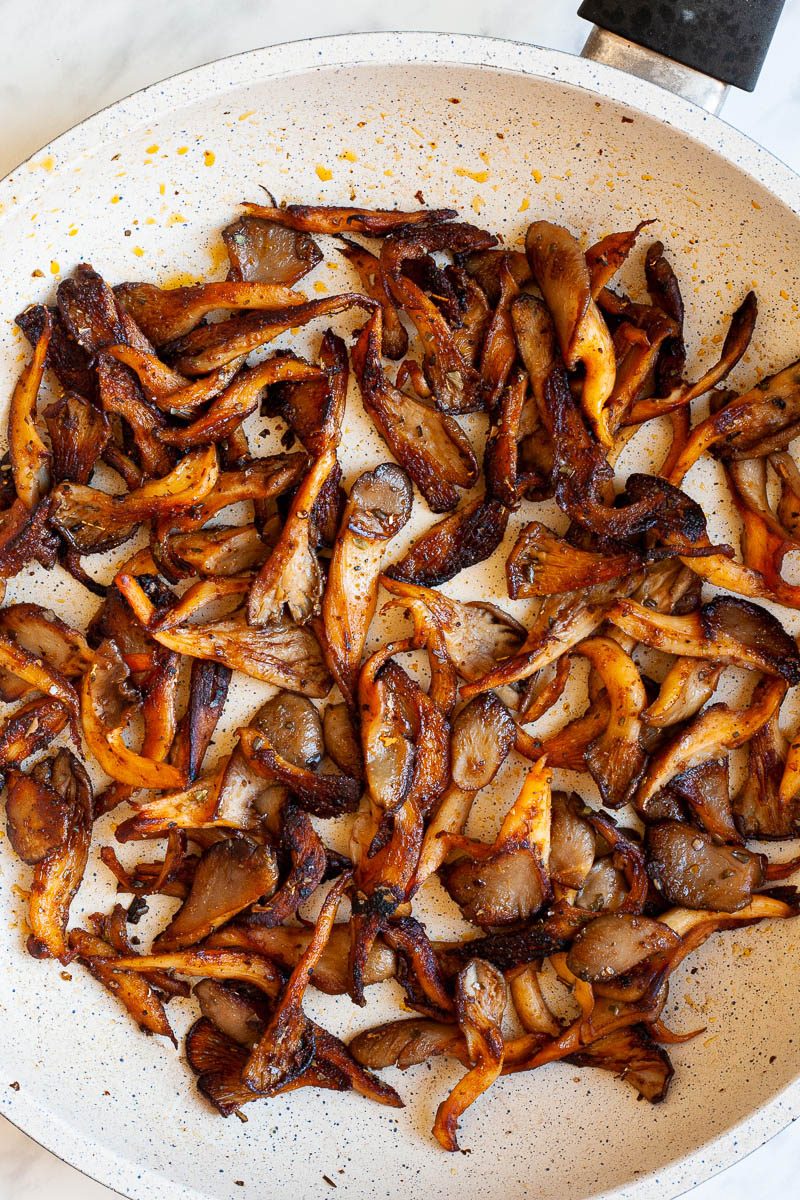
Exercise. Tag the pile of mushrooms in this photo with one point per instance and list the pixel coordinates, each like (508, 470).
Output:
(273, 567)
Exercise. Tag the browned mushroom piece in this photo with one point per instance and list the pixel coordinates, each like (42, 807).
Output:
(508, 881)
(759, 811)
(61, 787)
(616, 758)
(543, 564)
(261, 251)
(481, 997)
(634, 1057)
(341, 740)
(560, 269)
(615, 943)
(406, 1042)
(727, 630)
(604, 887)
(689, 868)
(572, 842)
(286, 944)
(28, 730)
(378, 507)
(323, 795)
(231, 875)
(481, 737)
(282, 654)
(394, 340)
(138, 995)
(454, 381)
(705, 737)
(291, 576)
(431, 446)
(322, 218)
(688, 684)
(705, 790)
(469, 536)
(293, 727)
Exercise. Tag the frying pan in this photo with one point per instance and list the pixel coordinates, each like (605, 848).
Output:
(502, 131)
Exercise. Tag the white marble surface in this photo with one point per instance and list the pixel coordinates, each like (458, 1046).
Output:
(64, 61)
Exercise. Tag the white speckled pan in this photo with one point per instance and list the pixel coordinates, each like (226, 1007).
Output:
(141, 190)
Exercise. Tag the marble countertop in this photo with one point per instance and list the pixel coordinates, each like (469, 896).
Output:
(64, 61)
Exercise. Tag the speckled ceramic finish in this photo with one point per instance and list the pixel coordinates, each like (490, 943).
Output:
(140, 191)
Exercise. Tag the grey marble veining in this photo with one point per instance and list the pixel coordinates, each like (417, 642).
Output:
(64, 61)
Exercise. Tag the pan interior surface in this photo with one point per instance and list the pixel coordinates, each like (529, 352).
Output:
(147, 202)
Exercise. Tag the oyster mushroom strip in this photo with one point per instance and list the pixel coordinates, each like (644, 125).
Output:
(262, 251)
(476, 634)
(134, 992)
(405, 742)
(237, 401)
(736, 342)
(559, 267)
(107, 704)
(170, 391)
(607, 256)
(481, 995)
(323, 795)
(428, 444)
(759, 809)
(286, 1045)
(544, 564)
(507, 881)
(760, 421)
(690, 868)
(314, 410)
(561, 623)
(454, 382)
(765, 543)
(241, 965)
(468, 536)
(686, 687)
(715, 729)
(321, 218)
(211, 346)
(30, 458)
(167, 313)
(230, 876)
(217, 1049)
(286, 944)
(616, 759)
(36, 674)
(50, 825)
(29, 729)
(92, 521)
(482, 735)
(378, 507)
(665, 292)
(259, 482)
(283, 654)
(291, 576)
(725, 630)
(394, 338)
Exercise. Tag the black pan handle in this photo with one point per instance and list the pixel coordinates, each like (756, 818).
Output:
(727, 39)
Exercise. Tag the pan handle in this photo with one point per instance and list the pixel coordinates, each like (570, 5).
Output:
(692, 47)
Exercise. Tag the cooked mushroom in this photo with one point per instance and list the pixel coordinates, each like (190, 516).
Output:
(376, 222)
(507, 881)
(572, 842)
(283, 654)
(324, 795)
(706, 736)
(689, 868)
(30, 458)
(481, 997)
(615, 943)
(616, 759)
(759, 810)
(379, 506)
(135, 993)
(231, 875)
(430, 445)
(560, 269)
(727, 630)
(341, 740)
(543, 564)
(263, 251)
(468, 536)
(394, 338)
(61, 784)
(482, 735)
(688, 684)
